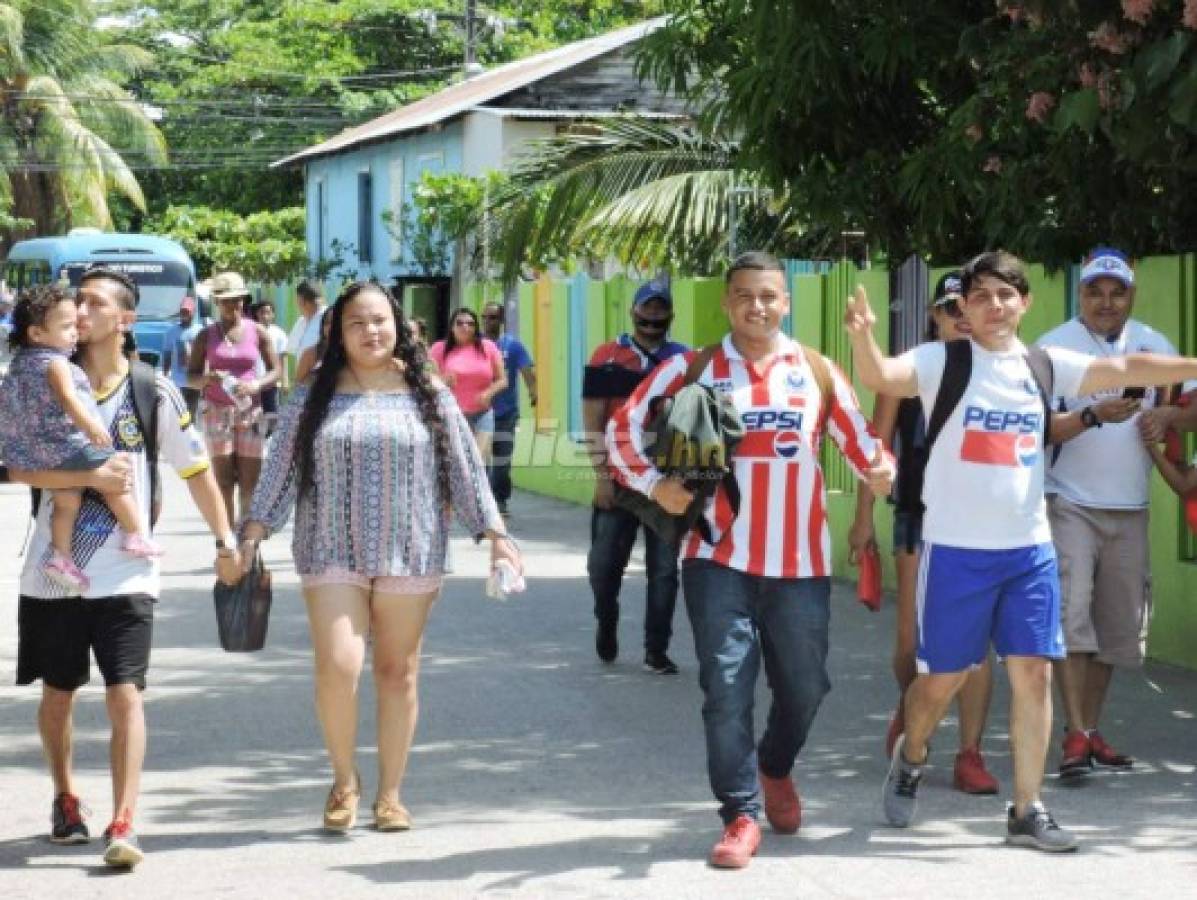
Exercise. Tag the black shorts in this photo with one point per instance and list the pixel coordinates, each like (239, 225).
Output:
(54, 637)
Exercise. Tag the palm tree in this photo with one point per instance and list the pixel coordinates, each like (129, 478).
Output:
(66, 125)
(644, 192)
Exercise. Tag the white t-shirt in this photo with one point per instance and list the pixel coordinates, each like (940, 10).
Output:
(305, 333)
(279, 340)
(97, 536)
(983, 487)
(1106, 467)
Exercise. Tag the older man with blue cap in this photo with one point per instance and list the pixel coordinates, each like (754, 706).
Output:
(1098, 493)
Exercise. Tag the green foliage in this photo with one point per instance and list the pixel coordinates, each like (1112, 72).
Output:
(946, 126)
(244, 83)
(70, 134)
(447, 210)
(646, 193)
(264, 246)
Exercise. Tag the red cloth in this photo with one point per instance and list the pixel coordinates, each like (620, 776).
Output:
(868, 582)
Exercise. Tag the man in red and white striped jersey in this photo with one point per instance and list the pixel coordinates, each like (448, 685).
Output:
(763, 587)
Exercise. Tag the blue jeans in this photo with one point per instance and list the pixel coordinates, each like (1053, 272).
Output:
(737, 619)
(612, 536)
(501, 449)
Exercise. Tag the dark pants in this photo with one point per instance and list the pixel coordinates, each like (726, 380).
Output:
(612, 536)
(738, 619)
(501, 449)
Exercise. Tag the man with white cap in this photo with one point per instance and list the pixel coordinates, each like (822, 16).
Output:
(1098, 493)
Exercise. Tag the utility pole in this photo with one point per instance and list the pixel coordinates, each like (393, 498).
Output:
(471, 17)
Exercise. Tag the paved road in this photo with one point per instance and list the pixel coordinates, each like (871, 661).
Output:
(540, 773)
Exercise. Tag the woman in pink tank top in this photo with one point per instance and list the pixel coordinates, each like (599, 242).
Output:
(223, 363)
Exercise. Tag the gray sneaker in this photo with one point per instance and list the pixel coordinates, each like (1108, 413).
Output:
(1037, 829)
(899, 794)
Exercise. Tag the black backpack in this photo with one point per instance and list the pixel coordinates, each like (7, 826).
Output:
(143, 381)
(958, 369)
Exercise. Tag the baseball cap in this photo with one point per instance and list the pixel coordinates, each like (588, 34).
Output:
(1106, 262)
(653, 290)
(949, 287)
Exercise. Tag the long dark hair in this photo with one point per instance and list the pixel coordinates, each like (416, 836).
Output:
(324, 386)
(451, 342)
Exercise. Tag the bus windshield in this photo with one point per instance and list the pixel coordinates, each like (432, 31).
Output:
(161, 285)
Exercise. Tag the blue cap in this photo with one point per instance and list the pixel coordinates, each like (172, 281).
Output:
(653, 290)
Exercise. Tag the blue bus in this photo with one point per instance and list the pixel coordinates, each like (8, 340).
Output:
(162, 270)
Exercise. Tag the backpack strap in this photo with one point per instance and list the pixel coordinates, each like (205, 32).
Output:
(1044, 376)
(143, 382)
(822, 374)
(957, 370)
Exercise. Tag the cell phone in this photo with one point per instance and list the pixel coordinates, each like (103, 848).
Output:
(1134, 393)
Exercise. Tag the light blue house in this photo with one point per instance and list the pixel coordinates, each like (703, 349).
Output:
(472, 127)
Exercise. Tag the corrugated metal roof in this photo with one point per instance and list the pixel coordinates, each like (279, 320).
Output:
(466, 95)
(510, 112)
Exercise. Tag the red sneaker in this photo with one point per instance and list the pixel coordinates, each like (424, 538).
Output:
(1074, 758)
(783, 809)
(738, 844)
(897, 725)
(1103, 754)
(970, 774)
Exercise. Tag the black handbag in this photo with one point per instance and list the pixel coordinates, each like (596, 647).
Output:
(243, 609)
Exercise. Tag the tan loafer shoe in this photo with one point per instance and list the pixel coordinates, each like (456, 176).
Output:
(391, 816)
(340, 810)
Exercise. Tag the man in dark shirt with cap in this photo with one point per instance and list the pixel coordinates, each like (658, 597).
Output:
(614, 371)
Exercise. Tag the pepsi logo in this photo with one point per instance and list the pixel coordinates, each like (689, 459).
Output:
(786, 444)
(1026, 448)
(795, 380)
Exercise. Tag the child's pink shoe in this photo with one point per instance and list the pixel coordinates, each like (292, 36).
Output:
(63, 572)
(138, 545)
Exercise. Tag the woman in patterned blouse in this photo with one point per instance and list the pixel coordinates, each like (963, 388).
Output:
(373, 454)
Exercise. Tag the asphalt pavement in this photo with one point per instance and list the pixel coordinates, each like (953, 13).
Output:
(539, 772)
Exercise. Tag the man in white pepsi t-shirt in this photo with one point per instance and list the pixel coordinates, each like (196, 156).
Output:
(1098, 492)
(988, 571)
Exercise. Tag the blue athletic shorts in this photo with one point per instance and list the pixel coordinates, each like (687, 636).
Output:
(968, 598)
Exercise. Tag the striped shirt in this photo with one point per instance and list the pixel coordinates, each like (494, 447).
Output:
(781, 530)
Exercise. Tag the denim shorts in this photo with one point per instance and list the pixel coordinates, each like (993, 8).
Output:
(908, 531)
(482, 422)
(87, 458)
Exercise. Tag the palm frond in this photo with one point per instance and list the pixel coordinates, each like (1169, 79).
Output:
(12, 40)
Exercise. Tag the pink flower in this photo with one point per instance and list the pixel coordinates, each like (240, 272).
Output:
(1107, 38)
(992, 164)
(1040, 105)
(1190, 15)
(1137, 11)
(974, 132)
(1086, 74)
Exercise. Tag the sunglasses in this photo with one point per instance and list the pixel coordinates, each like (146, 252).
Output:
(491, 316)
(951, 309)
(652, 324)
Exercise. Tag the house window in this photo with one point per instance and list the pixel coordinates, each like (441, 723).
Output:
(365, 216)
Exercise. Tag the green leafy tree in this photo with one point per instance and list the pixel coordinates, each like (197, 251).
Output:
(945, 127)
(646, 193)
(264, 246)
(243, 83)
(69, 132)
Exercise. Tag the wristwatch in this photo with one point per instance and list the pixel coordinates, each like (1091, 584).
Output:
(222, 548)
(1089, 418)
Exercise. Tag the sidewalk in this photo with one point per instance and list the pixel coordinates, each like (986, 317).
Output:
(538, 772)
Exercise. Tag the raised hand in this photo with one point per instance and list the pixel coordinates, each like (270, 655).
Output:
(858, 315)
